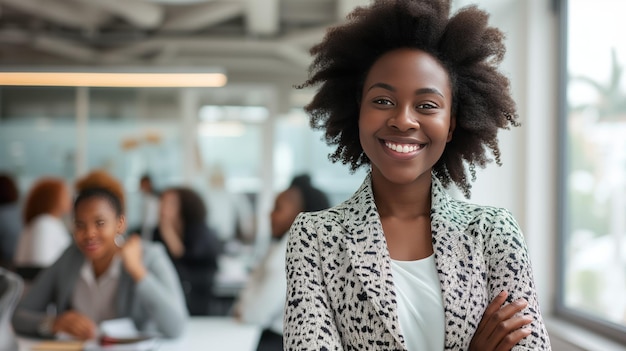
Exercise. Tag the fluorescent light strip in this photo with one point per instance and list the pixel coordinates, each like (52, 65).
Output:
(137, 80)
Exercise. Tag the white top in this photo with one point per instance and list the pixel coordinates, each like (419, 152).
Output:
(262, 300)
(420, 303)
(227, 211)
(95, 298)
(42, 242)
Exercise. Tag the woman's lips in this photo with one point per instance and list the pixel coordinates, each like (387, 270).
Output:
(403, 148)
(91, 246)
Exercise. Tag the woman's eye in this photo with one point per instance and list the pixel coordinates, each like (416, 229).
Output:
(382, 101)
(426, 106)
(100, 223)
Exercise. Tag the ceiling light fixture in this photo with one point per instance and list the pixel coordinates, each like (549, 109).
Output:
(120, 78)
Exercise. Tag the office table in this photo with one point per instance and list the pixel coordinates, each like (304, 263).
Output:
(202, 333)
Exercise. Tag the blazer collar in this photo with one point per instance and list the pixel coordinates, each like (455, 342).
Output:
(125, 288)
(367, 248)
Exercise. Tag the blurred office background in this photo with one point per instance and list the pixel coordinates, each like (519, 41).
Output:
(564, 172)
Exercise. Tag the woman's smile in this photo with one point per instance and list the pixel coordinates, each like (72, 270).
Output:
(402, 150)
(91, 245)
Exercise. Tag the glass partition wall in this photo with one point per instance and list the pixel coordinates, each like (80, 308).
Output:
(177, 135)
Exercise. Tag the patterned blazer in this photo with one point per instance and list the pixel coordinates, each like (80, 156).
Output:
(340, 290)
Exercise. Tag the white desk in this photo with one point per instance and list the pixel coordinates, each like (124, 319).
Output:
(202, 334)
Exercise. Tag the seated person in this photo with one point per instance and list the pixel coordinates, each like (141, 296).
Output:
(191, 244)
(262, 300)
(101, 277)
(10, 219)
(45, 236)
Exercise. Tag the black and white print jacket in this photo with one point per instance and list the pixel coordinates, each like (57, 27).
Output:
(340, 291)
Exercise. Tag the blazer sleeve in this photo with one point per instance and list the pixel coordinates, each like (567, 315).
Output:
(161, 295)
(510, 270)
(309, 322)
(31, 310)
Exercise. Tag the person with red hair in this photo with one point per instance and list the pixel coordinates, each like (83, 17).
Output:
(45, 236)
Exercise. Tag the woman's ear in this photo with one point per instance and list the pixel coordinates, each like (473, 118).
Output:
(121, 224)
(451, 130)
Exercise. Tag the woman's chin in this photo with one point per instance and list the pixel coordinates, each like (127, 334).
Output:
(92, 251)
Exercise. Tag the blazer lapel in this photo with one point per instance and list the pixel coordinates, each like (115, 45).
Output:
(69, 277)
(451, 256)
(367, 249)
(124, 293)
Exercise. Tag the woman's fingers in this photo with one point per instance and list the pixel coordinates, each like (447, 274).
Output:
(500, 328)
(75, 324)
(492, 308)
(500, 323)
(507, 343)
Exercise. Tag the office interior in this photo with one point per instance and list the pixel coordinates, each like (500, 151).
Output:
(563, 174)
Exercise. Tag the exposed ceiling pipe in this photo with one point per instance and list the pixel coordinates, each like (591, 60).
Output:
(66, 13)
(64, 48)
(267, 48)
(294, 55)
(199, 45)
(262, 17)
(14, 36)
(73, 51)
(305, 37)
(202, 15)
(142, 14)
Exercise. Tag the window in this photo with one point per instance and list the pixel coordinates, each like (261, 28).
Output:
(592, 289)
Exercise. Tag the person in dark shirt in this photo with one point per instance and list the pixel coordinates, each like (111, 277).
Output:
(191, 244)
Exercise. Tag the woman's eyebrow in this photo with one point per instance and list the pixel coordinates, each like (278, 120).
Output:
(382, 85)
(417, 92)
(428, 91)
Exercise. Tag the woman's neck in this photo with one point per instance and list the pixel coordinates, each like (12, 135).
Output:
(402, 200)
(102, 264)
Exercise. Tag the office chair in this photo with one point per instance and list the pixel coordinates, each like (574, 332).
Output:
(11, 287)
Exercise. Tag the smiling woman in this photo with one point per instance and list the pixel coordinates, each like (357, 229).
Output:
(414, 94)
(95, 280)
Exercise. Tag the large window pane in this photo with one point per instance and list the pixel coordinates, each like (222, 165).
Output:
(594, 256)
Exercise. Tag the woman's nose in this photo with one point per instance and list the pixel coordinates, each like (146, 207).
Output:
(404, 119)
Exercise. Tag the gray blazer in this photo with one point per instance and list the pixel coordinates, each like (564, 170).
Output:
(340, 289)
(155, 304)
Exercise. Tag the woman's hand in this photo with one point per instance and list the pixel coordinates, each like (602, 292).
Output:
(500, 329)
(132, 258)
(172, 239)
(75, 324)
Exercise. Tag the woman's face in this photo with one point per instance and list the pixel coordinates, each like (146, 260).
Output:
(170, 207)
(286, 207)
(95, 226)
(405, 115)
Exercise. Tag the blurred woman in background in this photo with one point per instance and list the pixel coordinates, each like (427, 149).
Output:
(262, 300)
(191, 244)
(45, 235)
(103, 277)
(11, 225)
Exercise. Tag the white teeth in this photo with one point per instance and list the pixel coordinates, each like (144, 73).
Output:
(406, 148)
